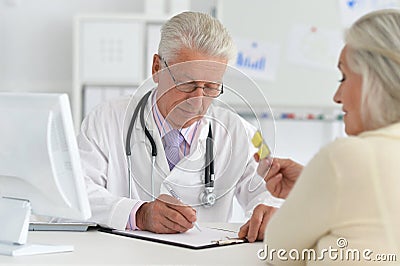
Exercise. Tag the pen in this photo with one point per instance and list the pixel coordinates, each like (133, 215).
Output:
(176, 196)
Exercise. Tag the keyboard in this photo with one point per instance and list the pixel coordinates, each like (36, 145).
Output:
(69, 226)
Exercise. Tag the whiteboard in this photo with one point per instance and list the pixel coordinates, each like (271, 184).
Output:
(299, 43)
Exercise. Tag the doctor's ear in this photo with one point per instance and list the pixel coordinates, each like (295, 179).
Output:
(156, 67)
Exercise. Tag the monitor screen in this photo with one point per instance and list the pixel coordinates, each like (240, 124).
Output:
(39, 159)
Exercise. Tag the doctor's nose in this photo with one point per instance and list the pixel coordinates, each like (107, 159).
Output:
(196, 97)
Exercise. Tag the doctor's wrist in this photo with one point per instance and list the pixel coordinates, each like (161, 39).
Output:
(131, 223)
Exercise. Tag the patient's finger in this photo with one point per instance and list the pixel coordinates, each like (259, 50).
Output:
(274, 184)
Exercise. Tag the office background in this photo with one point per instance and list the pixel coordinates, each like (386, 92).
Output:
(291, 48)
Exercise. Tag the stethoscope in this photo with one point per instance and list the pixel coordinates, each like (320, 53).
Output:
(207, 197)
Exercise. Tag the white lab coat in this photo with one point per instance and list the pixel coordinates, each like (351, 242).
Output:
(102, 148)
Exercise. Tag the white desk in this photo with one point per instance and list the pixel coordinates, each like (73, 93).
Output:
(97, 248)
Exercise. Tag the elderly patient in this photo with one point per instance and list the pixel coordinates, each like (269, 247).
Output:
(344, 207)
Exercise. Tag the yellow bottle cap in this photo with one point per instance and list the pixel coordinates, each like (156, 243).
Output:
(257, 139)
(263, 151)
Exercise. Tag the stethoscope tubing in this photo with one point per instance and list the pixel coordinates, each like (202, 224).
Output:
(209, 166)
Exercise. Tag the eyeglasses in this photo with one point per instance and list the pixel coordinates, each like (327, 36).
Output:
(210, 89)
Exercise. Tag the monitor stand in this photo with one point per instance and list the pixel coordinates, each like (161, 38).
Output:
(14, 225)
(32, 249)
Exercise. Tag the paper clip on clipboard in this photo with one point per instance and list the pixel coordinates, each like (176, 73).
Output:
(229, 241)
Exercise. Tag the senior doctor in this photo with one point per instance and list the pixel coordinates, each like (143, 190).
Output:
(180, 116)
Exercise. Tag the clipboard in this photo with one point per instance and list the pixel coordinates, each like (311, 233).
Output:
(209, 237)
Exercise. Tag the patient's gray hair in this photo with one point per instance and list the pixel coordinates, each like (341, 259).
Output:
(195, 31)
(374, 42)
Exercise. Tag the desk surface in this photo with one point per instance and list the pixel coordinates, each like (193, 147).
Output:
(96, 248)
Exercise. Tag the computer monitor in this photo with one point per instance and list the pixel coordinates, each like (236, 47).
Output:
(40, 168)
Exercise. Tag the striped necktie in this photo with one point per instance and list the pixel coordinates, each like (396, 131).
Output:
(173, 141)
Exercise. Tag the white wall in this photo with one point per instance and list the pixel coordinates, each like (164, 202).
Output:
(36, 40)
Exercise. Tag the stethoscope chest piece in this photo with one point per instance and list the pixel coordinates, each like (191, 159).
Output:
(207, 198)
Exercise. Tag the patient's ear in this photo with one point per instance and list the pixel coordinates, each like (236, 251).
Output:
(156, 67)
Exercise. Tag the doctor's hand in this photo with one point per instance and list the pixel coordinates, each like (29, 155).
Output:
(279, 174)
(165, 215)
(254, 228)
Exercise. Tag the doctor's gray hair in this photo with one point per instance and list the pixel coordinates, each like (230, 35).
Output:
(195, 31)
(374, 53)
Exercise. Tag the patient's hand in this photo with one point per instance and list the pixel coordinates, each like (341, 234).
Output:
(279, 174)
